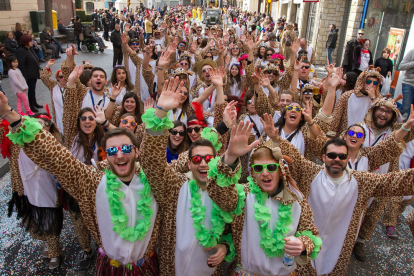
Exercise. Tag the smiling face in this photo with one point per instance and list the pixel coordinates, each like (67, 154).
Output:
(98, 80)
(262, 51)
(61, 79)
(234, 71)
(293, 117)
(304, 71)
(200, 171)
(126, 123)
(123, 165)
(269, 55)
(354, 142)
(177, 139)
(251, 106)
(120, 75)
(382, 117)
(88, 126)
(235, 51)
(269, 182)
(130, 105)
(184, 95)
(284, 100)
(270, 75)
(193, 134)
(307, 95)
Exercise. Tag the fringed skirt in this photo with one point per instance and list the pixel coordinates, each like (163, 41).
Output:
(143, 267)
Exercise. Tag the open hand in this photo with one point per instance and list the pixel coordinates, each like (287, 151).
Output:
(217, 77)
(115, 90)
(230, 113)
(164, 60)
(269, 128)
(334, 81)
(239, 142)
(295, 46)
(170, 95)
(264, 80)
(307, 112)
(149, 103)
(75, 74)
(124, 39)
(99, 114)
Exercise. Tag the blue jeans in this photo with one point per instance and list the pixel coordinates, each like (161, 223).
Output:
(1, 67)
(408, 100)
(330, 51)
(40, 54)
(57, 44)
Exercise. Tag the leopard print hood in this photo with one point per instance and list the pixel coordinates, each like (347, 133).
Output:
(388, 102)
(369, 72)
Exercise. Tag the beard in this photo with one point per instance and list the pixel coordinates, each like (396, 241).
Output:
(384, 125)
(128, 172)
(335, 170)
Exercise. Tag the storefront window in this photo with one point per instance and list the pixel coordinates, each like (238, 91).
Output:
(387, 24)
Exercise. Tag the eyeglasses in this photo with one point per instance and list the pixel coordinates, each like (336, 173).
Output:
(273, 39)
(306, 67)
(334, 155)
(208, 69)
(135, 44)
(196, 129)
(273, 72)
(181, 45)
(296, 108)
(307, 92)
(175, 132)
(235, 48)
(196, 159)
(83, 118)
(206, 29)
(250, 102)
(269, 54)
(183, 63)
(388, 112)
(271, 167)
(126, 149)
(358, 134)
(370, 81)
(199, 30)
(60, 77)
(125, 122)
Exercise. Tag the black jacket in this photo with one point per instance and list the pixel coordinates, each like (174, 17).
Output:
(11, 45)
(45, 36)
(385, 65)
(77, 28)
(116, 39)
(349, 54)
(18, 35)
(28, 63)
(62, 29)
(332, 37)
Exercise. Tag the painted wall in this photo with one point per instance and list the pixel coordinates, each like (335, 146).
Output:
(19, 13)
(65, 9)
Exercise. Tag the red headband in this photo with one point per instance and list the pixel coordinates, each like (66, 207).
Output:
(201, 123)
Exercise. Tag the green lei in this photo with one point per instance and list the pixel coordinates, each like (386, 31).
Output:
(118, 217)
(27, 134)
(273, 244)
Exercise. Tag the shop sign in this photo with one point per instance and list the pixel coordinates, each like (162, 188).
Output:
(395, 40)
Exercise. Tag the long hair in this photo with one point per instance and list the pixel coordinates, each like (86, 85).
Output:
(351, 78)
(83, 140)
(18, 27)
(128, 84)
(137, 112)
(186, 104)
(258, 52)
(184, 144)
(237, 78)
(54, 130)
(281, 122)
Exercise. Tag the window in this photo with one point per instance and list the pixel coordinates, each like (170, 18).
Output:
(4, 5)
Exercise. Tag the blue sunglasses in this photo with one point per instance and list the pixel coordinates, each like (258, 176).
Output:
(126, 149)
(351, 133)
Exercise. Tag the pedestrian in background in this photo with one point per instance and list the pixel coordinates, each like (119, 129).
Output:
(407, 65)
(117, 45)
(350, 51)
(331, 42)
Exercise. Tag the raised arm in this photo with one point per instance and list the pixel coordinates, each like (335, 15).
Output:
(262, 103)
(46, 74)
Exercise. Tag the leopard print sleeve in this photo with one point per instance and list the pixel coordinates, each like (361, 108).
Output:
(74, 176)
(180, 164)
(339, 113)
(285, 81)
(306, 223)
(262, 103)
(385, 151)
(225, 197)
(301, 169)
(139, 133)
(164, 180)
(148, 77)
(315, 144)
(399, 183)
(218, 113)
(45, 77)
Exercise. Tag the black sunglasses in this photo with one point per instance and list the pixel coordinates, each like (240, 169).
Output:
(83, 118)
(306, 67)
(269, 54)
(175, 132)
(60, 77)
(334, 155)
(273, 72)
(196, 129)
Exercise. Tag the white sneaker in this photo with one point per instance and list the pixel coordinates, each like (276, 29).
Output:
(45, 251)
(54, 262)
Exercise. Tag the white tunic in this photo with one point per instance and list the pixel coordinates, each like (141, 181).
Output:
(253, 257)
(297, 140)
(276, 117)
(235, 90)
(332, 206)
(116, 247)
(190, 256)
(39, 185)
(78, 152)
(357, 109)
(120, 97)
(89, 100)
(133, 72)
(405, 160)
(58, 104)
(176, 116)
(257, 122)
(209, 103)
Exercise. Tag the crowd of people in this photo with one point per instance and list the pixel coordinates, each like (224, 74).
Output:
(208, 145)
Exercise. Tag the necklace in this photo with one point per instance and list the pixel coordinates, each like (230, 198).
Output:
(273, 244)
(209, 237)
(118, 217)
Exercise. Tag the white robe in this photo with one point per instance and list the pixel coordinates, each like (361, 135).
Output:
(257, 122)
(58, 104)
(209, 103)
(332, 206)
(190, 256)
(102, 101)
(174, 116)
(116, 247)
(357, 109)
(253, 258)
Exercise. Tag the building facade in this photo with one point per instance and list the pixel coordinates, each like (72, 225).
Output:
(13, 11)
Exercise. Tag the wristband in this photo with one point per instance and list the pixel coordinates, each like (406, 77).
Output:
(106, 120)
(372, 99)
(2, 117)
(159, 107)
(112, 100)
(160, 68)
(16, 123)
(309, 125)
(405, 129)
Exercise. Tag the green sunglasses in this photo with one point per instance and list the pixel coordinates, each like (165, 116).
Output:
(271, 167)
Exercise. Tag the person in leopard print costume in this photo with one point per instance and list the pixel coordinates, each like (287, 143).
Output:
(120, 251)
